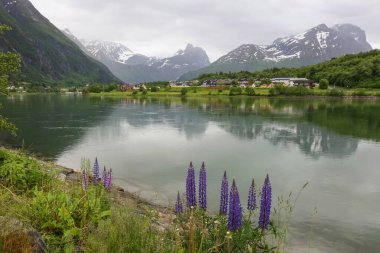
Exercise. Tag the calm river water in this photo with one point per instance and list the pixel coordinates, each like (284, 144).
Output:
(332, 144)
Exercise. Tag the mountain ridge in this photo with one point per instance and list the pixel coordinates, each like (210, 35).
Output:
(135, 68)
(315, 45)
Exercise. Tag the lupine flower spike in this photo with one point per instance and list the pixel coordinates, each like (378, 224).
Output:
(104, 176)
(95, 172)
(178, 205)
(235, 214)
(202, 187)
(190, 187)
(85, 179)
(109, 179)
(224, 195)
(266, 199)
(252, 197)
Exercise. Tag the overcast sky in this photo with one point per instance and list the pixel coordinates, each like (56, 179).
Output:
(161, 27)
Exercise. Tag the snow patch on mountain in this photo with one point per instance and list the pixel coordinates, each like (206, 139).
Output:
(112, 50)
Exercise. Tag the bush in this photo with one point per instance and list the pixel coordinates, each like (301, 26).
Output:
(64, 215)
(154, 89)
(250, 91)
(135, 92)
(235, 91)
(17, 171)
(111, 87)
(144, 92)
(94, 88)
(183, 92)
(323, 84)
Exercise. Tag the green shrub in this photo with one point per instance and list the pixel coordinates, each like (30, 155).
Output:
(20, 172)
(94, 88)
(62, 216)
(154, 89)
(135, 92)
(323, 84)
(144, 92)
(111, 87)
(235, 91)
(183, 92)
(250, 91)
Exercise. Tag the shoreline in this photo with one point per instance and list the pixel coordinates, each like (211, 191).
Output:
(67, 174)
(374, 96)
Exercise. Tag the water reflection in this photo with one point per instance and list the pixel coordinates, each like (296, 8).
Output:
(318, 127)
(50, 124)
(279, 123)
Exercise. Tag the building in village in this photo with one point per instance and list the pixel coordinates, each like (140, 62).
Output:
(293, 82)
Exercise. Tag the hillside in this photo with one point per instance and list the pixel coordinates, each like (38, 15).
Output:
(48, 56)
(318, 44)
(352, 70)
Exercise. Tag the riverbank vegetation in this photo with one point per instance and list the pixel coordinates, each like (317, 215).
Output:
(87, 214)
(239, 91)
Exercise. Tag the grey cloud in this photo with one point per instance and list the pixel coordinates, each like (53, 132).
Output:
(160, 27)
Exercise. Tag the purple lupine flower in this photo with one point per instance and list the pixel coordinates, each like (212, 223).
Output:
(109, 179)
(104, 177)
(224, 195)
(202, 197)
(84, 179)
(235, 215)
(252, 197)
(190, 187)
(266, 201)
(95, 171)
(178, 205)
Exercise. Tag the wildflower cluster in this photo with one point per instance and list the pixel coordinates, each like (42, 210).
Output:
(231, 217)
(106, 179)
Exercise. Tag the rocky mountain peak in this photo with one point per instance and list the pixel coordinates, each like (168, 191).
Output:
(108, 50)
(189, 46)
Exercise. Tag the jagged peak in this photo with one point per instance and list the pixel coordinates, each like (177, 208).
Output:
(189, 46)
(320, 27)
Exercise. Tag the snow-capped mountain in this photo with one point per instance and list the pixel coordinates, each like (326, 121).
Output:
(315, 45)
(114, 52)
(135, 68)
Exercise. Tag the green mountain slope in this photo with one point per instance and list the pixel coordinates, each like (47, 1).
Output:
(48, 56)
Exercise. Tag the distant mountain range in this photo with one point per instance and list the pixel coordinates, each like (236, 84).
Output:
(48, 56)
(135, 68)
(316, 45)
